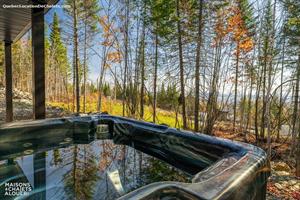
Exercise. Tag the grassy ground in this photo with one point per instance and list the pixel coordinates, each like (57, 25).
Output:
(116, 108)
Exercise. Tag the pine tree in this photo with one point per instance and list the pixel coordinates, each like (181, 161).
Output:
(59, 61)
(73, 11)
(89, 10)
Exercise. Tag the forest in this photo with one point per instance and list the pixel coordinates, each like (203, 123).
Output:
(228, 68)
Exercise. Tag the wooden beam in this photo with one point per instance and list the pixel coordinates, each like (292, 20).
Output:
(38, 63)
(8, 82)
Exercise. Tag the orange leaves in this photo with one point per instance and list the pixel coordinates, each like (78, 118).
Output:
(114, 56)
(234, 21)
(247, 44)
(105, 24)
(107, 66)
(107, 28)
(235, 25)
(106, 43)
(238, 30)
(231, 26)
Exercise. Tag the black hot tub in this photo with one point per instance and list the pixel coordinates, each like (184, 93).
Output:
(109, 157)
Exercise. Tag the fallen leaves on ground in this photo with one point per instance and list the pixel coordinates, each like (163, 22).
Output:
(282, 183)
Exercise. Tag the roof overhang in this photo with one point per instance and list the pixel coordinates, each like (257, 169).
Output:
(15, 22)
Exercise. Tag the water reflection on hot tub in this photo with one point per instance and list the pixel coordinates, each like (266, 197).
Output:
(99, 170)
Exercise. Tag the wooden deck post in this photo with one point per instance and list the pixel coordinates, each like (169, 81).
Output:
(38, 63)
(8, 82)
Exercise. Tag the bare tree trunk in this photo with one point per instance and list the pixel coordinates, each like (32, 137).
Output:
(84, 64)
(66, 88)
(297, 154)
(242, 109)
(55, 82)
(296, 107)
(74, 82)
(155, 79)
(197, 68)
(76, 57)
(249, 104)
(281, 91)
(181, 67)
(176, 116)
(115, 84)
(100, 93)
(257, 94)
(100, 80)
(236, 85)
(126, 57)
(249, 122)
(263, 116)
(142, 71)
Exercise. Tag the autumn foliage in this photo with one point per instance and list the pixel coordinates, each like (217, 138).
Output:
(113, 53)
(239, 32)
(232, 27)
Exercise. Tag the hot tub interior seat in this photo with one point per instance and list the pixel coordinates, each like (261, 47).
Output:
(187, 151)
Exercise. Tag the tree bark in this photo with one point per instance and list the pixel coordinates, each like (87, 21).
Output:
(263, 116)
(297, 95)
(249, 104)
(281, 91)
(142, 71)
(76, 57)
(296, 107)
(84, 64)
(236, 84)
(126, 56)
(155, 79)
(197, 68)
(181, 67)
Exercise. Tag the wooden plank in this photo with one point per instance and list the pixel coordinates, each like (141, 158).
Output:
(8, 82)
(38, 63)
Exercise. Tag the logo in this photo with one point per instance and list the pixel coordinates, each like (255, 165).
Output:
(17, 189)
